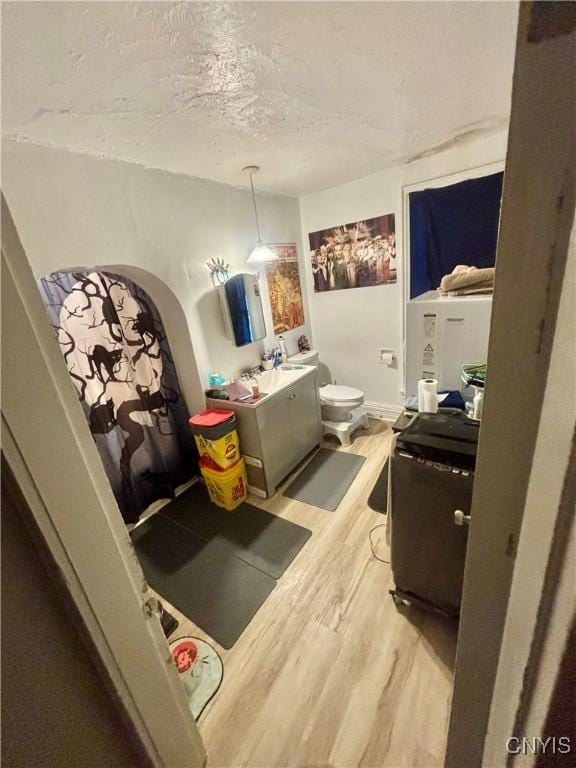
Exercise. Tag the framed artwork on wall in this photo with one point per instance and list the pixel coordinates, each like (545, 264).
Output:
(284, 289)
(357, 255)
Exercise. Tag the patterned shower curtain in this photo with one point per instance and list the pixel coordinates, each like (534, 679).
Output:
(117, 355)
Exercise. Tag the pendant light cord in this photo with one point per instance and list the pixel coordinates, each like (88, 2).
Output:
(255, 209)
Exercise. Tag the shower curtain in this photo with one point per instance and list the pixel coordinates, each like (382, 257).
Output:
(117, 355)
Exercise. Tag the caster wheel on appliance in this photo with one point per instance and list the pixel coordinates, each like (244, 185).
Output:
(400, 602)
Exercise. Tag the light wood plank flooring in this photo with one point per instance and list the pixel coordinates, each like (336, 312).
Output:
(329, 673)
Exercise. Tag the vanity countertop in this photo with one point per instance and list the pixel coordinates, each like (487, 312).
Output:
(272, 382)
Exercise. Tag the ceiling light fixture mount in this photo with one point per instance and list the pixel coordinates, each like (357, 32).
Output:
(260, 252)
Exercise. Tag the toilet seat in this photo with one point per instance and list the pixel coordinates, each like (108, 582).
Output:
(339, 396)
(342, 413)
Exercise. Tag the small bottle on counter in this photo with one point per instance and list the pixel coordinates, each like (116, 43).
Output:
(283, 350)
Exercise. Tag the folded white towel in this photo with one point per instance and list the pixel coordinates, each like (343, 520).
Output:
(464, 280)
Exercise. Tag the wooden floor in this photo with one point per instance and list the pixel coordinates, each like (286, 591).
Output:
(329, 672)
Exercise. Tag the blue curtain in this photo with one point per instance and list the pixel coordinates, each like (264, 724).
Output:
(118, 358)
(453, 225)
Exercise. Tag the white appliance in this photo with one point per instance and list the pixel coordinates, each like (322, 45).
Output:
(442, 333)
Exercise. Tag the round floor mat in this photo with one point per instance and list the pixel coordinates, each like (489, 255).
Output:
(200, 669)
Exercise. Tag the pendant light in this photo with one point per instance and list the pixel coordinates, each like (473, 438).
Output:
(260, 252)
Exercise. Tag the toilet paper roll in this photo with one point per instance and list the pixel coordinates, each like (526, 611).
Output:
(428, 396)
(386, 358)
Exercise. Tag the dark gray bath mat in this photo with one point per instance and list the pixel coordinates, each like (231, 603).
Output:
(378, 499)
(257, 537)
(218, 592)
(325, 480)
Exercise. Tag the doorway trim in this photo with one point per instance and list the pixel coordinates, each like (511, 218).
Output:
(537, 217)
(47, 444)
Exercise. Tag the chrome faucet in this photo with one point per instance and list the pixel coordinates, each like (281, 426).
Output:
(251, 373)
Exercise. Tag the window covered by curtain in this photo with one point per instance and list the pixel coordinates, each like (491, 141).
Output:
(452, 225)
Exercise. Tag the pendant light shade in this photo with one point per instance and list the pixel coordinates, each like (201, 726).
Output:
(260, 253)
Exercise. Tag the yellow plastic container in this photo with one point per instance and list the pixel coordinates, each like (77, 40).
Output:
(226, 487)
(224, 451)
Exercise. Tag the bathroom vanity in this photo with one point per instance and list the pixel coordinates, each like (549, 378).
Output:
(278, 429)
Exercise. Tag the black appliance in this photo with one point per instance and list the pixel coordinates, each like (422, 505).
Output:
(432, 476)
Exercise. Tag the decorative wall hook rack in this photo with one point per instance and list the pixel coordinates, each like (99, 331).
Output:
(219, 272)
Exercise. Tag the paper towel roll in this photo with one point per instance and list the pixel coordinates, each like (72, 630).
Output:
(428, 396)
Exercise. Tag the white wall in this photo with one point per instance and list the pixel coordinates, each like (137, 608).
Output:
(74, 210)
(350, 326)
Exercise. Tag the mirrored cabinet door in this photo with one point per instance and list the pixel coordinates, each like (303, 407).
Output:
(242, 308)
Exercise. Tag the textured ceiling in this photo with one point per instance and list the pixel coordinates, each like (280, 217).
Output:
(315, 93)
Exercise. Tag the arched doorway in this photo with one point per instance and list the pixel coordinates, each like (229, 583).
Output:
(118, 357)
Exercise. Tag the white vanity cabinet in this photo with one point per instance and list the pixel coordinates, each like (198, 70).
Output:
(278, 431)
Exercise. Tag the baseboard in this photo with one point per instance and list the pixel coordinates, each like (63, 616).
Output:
(385, 411)
(257, 492)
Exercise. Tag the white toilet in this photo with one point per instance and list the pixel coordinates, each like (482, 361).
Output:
(342, 413)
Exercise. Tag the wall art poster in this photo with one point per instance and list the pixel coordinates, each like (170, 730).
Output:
(284, 289)
(357, 255)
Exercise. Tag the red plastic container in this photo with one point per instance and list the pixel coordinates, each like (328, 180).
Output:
(212, 423)
(216, 436)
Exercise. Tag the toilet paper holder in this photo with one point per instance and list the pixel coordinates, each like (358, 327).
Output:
(386, 356)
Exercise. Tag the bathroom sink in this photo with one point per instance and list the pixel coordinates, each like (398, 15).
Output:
(270, 383)
(276, 380)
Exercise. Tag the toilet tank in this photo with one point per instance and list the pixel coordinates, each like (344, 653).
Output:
(305, 358)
